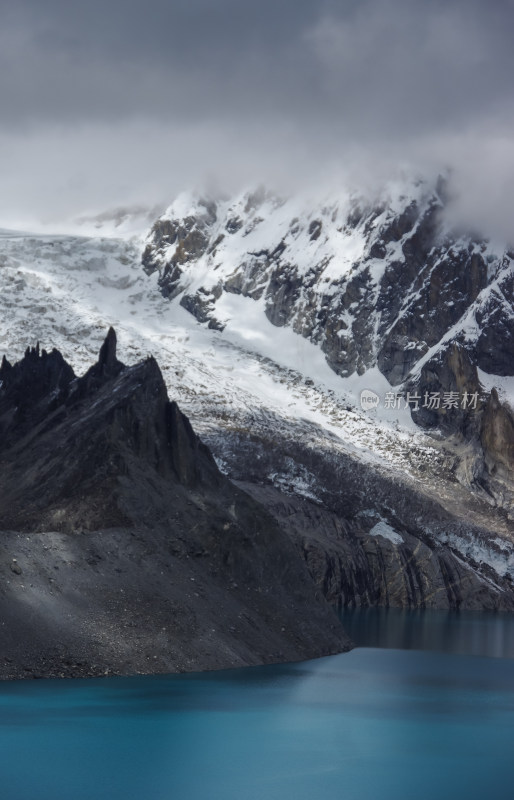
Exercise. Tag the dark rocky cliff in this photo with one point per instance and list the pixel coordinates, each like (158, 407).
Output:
(370, 535)
(123, 548)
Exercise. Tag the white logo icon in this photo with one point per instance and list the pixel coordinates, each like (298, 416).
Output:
(369, 399)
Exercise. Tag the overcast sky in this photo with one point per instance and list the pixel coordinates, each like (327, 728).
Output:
(111, 102)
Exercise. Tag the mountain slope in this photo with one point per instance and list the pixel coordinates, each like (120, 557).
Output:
(387, 290)
(123, 547)
(373, 283)
(279, 419)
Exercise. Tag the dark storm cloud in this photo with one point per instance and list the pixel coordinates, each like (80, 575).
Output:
(101, 60)
(235, 87)
(389, 64)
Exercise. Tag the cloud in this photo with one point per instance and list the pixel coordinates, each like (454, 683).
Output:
(104, 102)
(55, 173)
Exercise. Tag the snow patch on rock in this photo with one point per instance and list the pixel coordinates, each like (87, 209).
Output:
(385, 530)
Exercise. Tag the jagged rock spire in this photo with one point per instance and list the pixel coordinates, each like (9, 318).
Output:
(107, 365)
(107, 359)
(32, 352)
(6, 365)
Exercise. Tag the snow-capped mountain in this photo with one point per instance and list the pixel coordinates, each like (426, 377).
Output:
(384, 284)
(297, 308)
(386, 289)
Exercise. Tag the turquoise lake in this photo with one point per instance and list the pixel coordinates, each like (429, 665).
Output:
(372, 724)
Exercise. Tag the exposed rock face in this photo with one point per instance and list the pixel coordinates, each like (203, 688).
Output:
(497, 435)
(185, 240)
(372, 536)
(494, 345)
(450, 370)
(365, 562)
(387, 284)
(134, 553)
(497, 441)
(371, 283)
(482, 429)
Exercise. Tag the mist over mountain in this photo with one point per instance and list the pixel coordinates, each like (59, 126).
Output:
(117, 104)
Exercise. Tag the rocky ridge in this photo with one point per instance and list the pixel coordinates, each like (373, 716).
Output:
(123, 547)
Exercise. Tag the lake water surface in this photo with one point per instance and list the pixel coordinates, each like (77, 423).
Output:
(372, 724)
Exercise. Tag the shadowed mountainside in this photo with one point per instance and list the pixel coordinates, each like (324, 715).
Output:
(123, 548)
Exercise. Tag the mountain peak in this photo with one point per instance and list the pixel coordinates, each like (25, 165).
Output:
(107, 360)
(106, 368)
